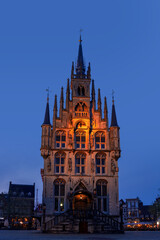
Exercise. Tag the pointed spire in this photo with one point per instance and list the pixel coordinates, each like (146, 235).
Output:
(93, 95)
(105, 111)
(67, 95)
(55, 107)
(113, 118)
(99, 100)
(72, 70)
(80, 69)
(47, 115)
(61, 103)
(89, 71)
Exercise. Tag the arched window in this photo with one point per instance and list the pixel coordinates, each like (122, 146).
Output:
(100, 140)
(59, 194)
(100, 163)
(80, 163)
(80, 139)
(102, 195)
(60, 139)
(81, 90)
(81, 110)
(59, 162)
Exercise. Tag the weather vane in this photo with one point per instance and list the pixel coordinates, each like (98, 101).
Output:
(48, 91)
(80, 35)
(113, 95)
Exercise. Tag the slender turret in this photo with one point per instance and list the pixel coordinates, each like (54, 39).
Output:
(99, 101)
(67, 95)
(114, 131)
(55, 111)
(93, 96)
(46, 131)
(61, 104)
(105, 111)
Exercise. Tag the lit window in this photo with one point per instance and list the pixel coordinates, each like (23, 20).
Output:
(102, 195)
(100, 163)
(59, 193)
(80, 140)
(60, 139)
(59, 162)
(80, 163)
(100, 140)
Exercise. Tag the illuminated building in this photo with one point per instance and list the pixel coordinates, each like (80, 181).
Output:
(80, 150)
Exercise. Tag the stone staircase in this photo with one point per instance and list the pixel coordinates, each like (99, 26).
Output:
(80, 221)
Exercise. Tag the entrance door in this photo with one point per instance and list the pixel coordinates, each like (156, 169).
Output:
(83, 227)
(81, 202)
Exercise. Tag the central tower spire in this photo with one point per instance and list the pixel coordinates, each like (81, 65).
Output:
(80, 68)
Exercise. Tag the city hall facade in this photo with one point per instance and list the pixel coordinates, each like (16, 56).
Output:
(80, 149)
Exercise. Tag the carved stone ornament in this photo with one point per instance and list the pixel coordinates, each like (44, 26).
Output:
(92, 165)
(70, 164)
(113, 166)
(92, 140)
(48, 164)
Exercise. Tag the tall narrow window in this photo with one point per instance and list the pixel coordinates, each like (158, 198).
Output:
(80, 140)
(60, 139)
(100, 140)
(100, 163)
(102, 195)
(59, 194)
(59, 162)
(80, 163)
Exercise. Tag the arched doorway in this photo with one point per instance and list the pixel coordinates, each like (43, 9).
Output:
(82, 198)
(82, 203)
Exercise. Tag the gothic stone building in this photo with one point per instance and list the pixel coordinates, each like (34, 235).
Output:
(80, 150)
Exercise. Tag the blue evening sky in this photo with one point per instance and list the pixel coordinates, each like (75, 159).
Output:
(39, 41)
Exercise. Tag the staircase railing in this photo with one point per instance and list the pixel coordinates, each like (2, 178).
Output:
(58, 219)
(84, 215)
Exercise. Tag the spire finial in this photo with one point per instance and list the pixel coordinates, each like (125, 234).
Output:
(112, 96)
(47, 90)
(80, 40)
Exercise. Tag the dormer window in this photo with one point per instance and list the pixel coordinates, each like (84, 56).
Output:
(60, 139)
(22, 194)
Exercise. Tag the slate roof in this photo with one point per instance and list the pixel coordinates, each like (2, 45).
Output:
(47, 115)
(114, 118)
(20, 190)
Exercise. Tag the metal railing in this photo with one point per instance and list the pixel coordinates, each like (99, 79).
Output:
(84, 215)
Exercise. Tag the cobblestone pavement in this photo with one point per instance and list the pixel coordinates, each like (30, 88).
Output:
(37, 235)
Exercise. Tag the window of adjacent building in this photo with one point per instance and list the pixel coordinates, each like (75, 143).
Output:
(80, 163)
(100, 140)
(59, 193)
(80, 140)
(60, 139)
(100, 163)
(59, 162)
(102, 195)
